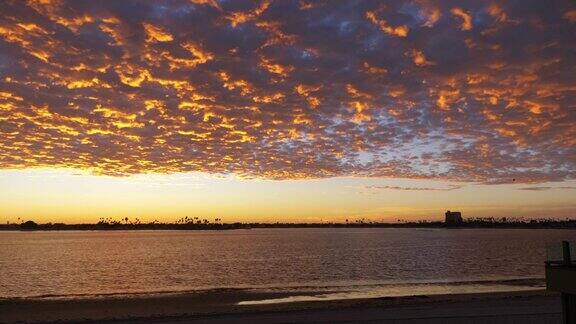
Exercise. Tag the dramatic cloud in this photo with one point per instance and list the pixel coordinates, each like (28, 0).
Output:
(413, 188)
(546, 188)
(468, 91)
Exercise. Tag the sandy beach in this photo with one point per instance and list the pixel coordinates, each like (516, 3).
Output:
(221, 306)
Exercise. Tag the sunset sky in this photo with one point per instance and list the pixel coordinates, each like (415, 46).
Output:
(286, 110)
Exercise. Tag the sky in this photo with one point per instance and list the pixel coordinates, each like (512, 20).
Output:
(286, 110)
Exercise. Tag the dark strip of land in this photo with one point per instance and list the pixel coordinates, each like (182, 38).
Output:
(206, 225)
(221, 306)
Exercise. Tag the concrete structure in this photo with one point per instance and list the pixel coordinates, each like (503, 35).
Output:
(561, 277)
(453, 218)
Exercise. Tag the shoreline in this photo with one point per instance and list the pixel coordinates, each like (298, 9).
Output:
(327, 290)
(225, 304)
(170, 227)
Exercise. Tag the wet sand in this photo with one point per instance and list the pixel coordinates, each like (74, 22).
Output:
(221, 306)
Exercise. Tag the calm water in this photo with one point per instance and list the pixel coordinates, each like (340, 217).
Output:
(367, 261)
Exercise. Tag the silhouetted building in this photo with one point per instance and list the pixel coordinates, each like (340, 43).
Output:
(561, 277)
(453, 218)
(28, 226)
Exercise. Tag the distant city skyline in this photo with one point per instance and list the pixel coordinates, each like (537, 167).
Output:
(73, 197)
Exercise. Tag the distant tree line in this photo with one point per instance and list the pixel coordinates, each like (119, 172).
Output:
(196, 223)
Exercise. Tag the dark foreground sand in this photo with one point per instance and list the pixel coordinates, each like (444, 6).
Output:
(220, 306)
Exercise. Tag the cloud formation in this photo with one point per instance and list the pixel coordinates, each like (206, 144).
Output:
(450, 188)
(466, 91)
(547, 188)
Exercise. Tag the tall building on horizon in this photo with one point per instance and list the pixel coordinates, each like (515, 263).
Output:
(453, 217)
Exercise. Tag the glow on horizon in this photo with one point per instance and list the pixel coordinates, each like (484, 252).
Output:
(70, 196)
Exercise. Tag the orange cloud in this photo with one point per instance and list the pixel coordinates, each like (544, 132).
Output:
(419, 58)
(497, 12)
(372, 69)
(287, 90)
(446, 98)
(464, 16)
(237, 18)
(307, 92)
(157, 34)
(212, 3)
(275, 68)
(430, 12)
(450, 188)
(570, 16)
(399, 31)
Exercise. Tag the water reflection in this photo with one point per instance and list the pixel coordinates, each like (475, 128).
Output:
(76, 263)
